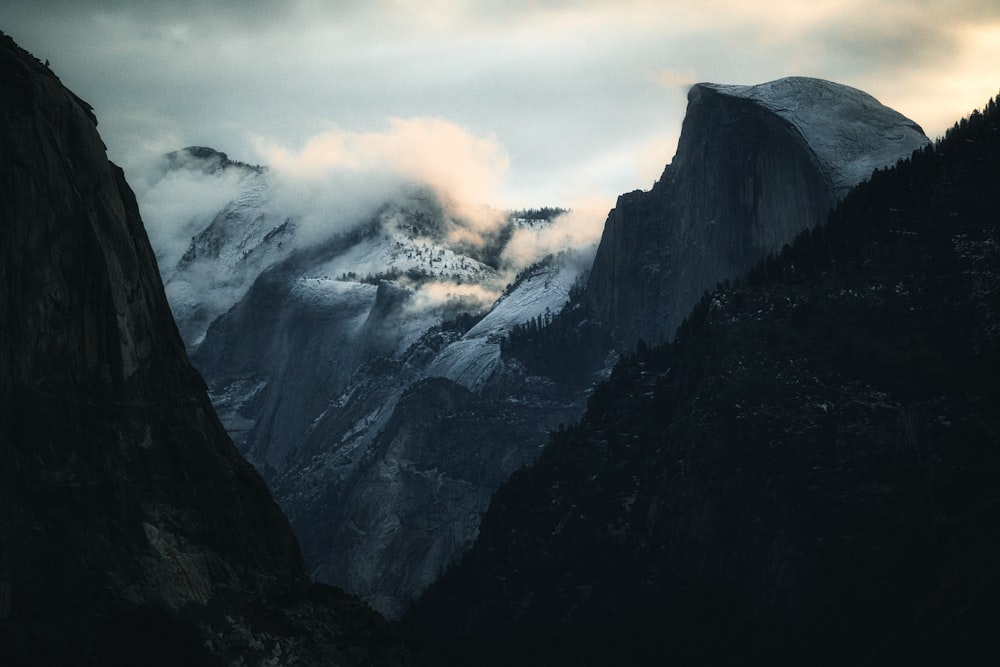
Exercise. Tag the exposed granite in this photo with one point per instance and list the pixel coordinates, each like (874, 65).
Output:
(755, 165)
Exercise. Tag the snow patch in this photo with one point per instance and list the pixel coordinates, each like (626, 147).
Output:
(471, 360)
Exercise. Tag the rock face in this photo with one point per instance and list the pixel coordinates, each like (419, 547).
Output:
(130, 528)
(805, 475)
(755, 165)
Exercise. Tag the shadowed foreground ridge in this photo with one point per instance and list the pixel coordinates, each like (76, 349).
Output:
(130, 528)
(807, 475)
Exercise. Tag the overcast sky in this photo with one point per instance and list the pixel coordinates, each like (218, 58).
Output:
(518, 103)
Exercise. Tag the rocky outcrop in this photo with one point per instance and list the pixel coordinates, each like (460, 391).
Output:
(130, 528)
(755, 165)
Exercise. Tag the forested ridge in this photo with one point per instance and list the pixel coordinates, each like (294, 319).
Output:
(806, 475)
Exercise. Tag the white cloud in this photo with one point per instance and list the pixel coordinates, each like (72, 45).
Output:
(338, 178)
(429, 150)
(179, 203)
(578, 231)
(443, 295)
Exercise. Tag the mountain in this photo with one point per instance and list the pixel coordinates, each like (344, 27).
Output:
(227, 251)
(319, 341)
(805, 475)
(381, 416)
(755, 165)
(131, 530)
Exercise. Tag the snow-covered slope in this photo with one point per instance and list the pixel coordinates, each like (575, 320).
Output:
(471, 360)
(402, 250)
(316, 314)
(848, 129)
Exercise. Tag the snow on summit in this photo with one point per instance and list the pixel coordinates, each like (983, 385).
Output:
(845, 127)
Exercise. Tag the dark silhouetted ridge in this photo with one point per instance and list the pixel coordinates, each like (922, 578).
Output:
(131, 531)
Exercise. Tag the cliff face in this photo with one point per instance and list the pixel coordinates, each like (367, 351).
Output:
(128, 521)
(755, 165)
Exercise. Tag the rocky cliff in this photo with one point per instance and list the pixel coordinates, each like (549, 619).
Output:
(130, 528)
(755, 165)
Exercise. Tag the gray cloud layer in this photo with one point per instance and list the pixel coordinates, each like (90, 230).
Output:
(583, 98)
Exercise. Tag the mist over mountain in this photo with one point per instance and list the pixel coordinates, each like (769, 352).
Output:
(218, 224)
(131, 530)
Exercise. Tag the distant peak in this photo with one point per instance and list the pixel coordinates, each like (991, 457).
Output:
(204, 153)
(790, 86)
(207, 160)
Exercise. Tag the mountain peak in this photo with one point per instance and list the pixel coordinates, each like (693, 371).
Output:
(847, 129)
(207, 160)
(755, 166)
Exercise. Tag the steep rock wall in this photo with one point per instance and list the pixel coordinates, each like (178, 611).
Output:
(130, 528)
(755, 165)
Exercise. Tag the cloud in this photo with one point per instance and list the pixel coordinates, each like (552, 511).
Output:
(577, 232)
(450, 298)
(176, 204)
(343, 175)
(338, 180)
(433, 151)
